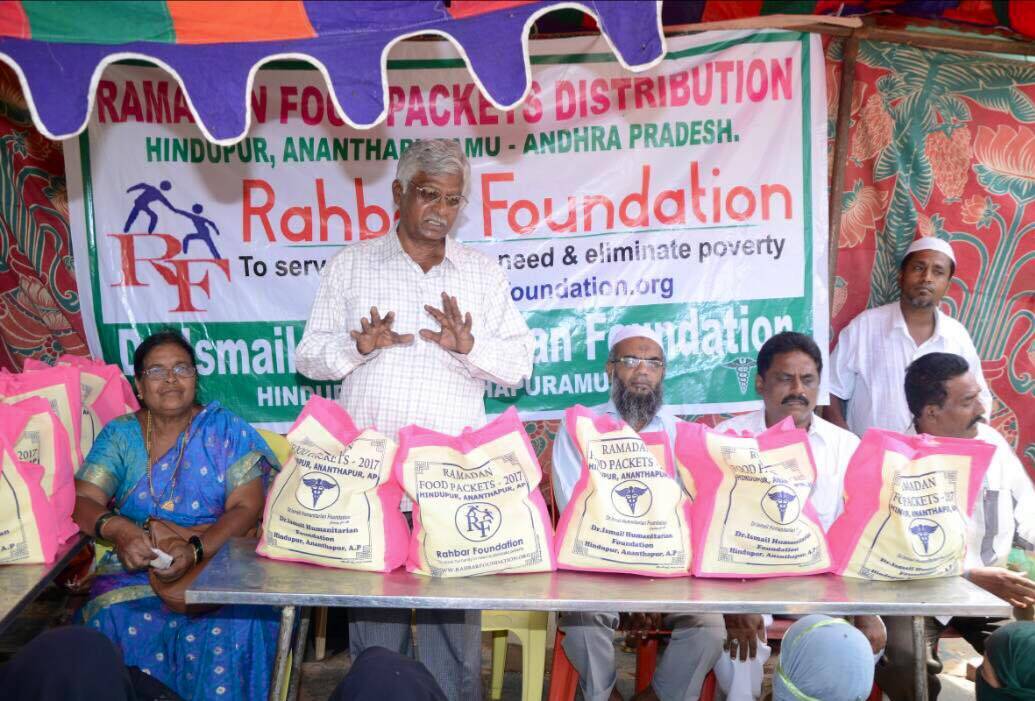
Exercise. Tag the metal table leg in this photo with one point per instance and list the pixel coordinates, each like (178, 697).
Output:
(920, 659)
(287, 622)
(298, 653)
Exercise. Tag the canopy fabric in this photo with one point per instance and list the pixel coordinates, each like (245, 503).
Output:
(60, 49)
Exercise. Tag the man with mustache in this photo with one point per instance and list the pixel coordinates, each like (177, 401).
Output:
(873, 351)
(944, 397)
(414, 324)
(636, 369)
(789, 366)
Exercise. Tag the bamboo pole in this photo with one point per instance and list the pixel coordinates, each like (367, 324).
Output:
(837, 180)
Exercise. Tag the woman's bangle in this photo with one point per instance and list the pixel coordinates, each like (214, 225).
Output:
(99, 524)
(199, 550)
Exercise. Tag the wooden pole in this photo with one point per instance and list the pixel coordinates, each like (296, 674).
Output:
(944, 42)
(841, 146)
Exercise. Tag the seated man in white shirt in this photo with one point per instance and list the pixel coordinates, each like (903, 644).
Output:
(869, 362)
(636, 369)
(789, 366)
(943, 396)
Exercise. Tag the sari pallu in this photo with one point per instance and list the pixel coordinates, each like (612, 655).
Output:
(226, 653)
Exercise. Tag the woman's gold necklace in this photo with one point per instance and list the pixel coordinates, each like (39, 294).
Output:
(169, 504)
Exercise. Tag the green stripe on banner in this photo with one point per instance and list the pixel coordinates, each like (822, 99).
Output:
(100, 22)
(788, 7)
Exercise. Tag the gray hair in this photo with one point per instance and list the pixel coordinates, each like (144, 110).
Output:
(434, 157)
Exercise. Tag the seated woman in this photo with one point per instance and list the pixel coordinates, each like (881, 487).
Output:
(191, 465)
(1008, 670)
(823, 659)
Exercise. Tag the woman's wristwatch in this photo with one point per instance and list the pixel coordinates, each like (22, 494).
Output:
(99, 523)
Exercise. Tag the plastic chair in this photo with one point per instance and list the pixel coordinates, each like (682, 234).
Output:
(564, 679)
(277, 443)
(530, 629)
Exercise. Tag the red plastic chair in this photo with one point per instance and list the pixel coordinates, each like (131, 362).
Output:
(564, 679)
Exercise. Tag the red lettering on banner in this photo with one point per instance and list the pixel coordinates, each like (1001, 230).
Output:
(366, 211)
(326, 213)
(249, 210)
(178, 275)
(175, 272)
(106, 93)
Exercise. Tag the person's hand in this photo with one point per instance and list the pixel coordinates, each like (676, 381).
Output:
(873, 628)
(456, 327)
(743, 632)
(376, 333)
(183, 559)
(131, 544)
(1011, 586)
(640, 624)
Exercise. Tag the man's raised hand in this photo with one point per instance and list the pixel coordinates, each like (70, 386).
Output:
(376, 333)
(455, 334)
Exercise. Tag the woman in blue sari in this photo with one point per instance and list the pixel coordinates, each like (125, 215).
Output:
(191, 465)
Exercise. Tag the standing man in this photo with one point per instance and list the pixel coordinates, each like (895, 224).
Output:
(414, 324)
(789, 368)
(874, 349)
(636, 369)
(943, 396)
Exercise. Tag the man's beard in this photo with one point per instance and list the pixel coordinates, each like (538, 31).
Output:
(636, 408)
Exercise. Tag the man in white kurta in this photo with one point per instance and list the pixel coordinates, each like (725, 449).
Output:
(788, 378)
(636, 368)
(943, 396)
(414, 324)
(869, 363)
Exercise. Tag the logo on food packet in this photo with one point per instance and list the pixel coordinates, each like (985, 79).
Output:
(478, 521)
(317, 491)
(928, 537)
(781, 504)
(632, 498)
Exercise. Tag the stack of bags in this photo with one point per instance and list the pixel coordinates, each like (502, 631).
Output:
(49, 417)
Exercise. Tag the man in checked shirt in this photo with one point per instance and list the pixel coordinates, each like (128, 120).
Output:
(414, 324)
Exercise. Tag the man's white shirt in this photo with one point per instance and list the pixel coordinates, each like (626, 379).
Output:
(420, 383)
(832, 448)
(567, 461)
(868, 366)
(1004, 511)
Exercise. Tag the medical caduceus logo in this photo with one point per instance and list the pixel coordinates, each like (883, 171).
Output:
(928, 536)
(632, 498)
(317, 491)
(780, 504)
(148, 254)
(478, 521)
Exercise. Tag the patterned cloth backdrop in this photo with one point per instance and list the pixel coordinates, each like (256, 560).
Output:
(940, 144)
(39, 303)
(943, 144)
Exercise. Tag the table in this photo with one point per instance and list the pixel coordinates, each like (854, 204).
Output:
(236, 575)
(21, 584)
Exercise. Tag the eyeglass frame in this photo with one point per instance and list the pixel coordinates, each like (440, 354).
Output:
(158, 373)
(652, 363)
(461, 199)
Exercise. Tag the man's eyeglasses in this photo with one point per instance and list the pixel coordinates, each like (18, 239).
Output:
(182, 371)
(632, 361)
(429, 195)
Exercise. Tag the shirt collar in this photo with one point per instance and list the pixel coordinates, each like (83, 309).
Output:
(393, 247)
(816, 427)
(898, 321)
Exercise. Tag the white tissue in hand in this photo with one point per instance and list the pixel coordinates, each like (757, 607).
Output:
(162, 561)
